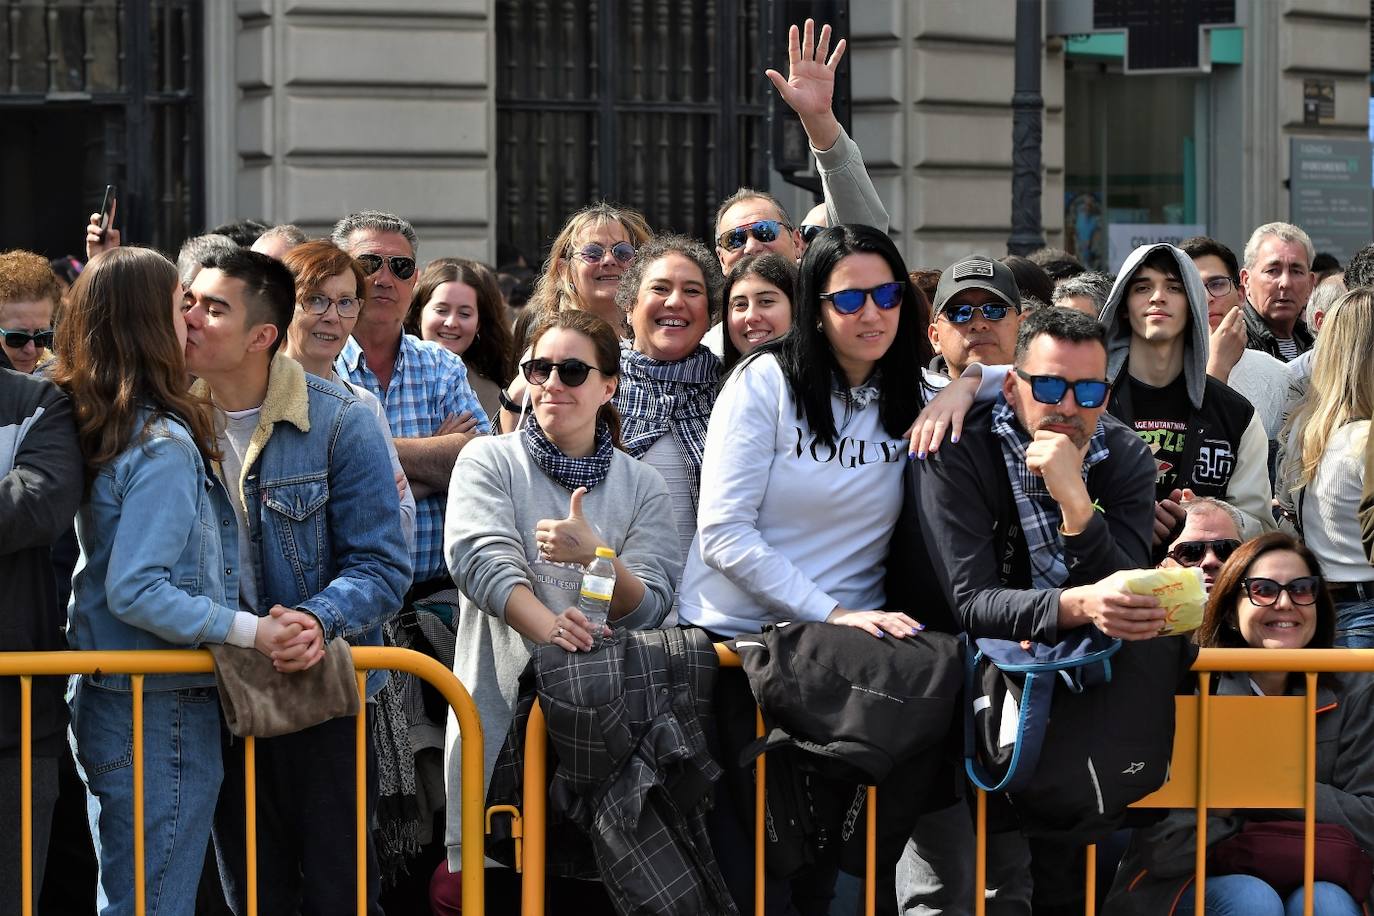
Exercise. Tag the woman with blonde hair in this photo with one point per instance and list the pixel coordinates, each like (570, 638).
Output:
(587, 259)
(1327, 438)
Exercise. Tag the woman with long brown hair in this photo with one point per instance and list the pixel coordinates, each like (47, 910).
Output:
(158, 570)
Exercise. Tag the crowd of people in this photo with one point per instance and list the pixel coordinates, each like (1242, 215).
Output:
(279, 446)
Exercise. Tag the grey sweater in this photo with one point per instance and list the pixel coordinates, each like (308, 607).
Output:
(496, 498)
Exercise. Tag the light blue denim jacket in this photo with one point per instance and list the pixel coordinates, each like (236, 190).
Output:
(159, 554)
(324, 519)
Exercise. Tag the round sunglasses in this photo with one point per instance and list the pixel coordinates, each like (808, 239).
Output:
(571, 372)
(848, 301)
(594, 252)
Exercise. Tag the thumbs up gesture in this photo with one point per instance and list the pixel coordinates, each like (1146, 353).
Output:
(568, 540)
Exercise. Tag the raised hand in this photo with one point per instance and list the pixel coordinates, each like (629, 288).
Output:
(97, 239)
(809, 88)
(568, 540)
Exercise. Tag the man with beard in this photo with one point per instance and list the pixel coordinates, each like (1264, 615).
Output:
(1023, 525)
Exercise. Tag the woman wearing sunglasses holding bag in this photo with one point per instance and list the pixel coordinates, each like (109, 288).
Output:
(1270, 595)
(527, 511)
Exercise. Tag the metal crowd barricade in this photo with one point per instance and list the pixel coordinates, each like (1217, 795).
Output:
(28, 665)
(1229, 752)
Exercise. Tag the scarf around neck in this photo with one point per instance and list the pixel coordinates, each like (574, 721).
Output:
(656, 397)
(571, 473)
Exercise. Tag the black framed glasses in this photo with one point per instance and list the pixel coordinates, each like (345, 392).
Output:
(765, 230)
(1190, 553)
(17, 340)
(962, 312)
(1219, 286)
(346, 306)
(593, 252)
(1050, 389)
(402, 268)
(809, 231)
(1264, 592)
(571, 372)
(848, 301)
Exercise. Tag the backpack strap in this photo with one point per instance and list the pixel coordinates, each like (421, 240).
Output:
(1032, 721)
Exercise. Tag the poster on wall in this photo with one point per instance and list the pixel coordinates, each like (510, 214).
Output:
(1123, 238)
(1329, 193)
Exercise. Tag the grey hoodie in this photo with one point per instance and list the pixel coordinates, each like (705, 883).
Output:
(1195, 339)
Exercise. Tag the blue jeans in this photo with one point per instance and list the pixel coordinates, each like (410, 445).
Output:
(1243, 895)
(182, 771)
(1354, 625)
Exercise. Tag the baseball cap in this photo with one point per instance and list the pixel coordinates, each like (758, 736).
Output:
(978, 272)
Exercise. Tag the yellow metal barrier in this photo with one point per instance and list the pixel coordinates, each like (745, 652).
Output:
(27, 665)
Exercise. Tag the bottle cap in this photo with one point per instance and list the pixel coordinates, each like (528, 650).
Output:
(605, 552)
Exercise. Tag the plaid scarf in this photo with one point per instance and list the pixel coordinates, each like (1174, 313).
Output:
(570, 472)
(1039, 513)
(655, 397)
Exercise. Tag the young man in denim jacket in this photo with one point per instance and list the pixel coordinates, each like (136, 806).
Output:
(321, 546)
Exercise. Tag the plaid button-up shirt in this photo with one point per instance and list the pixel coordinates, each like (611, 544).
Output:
(428, 384)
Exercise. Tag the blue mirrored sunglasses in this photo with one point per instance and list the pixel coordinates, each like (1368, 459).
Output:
(1050, 389)
(849, 301)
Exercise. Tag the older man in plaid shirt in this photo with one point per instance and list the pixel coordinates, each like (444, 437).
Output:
(431, 408)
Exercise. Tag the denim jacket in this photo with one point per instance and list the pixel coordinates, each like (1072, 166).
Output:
(324, 519)
(155, 533)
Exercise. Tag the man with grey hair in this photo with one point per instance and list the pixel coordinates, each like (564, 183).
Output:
(1211, 533)
(196, 249)
(1277, 278)
(278, 240)
(431, 408)
(1087, 292)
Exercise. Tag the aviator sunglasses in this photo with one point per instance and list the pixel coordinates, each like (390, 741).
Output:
(765, 230)
(1263, 592)
(17, 340)
(1050, 389)
(571, 372)
(1190, 553)
(848, 301)
(402, 268)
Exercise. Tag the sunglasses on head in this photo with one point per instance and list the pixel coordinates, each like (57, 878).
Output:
(17, 340)
(809, 231)
(402, 268)
(848, 301)
(571, 372)
(593, 252)
(765, 230)
(1263, 592)
(1050, 389)
(1190, 553)
(962, 312)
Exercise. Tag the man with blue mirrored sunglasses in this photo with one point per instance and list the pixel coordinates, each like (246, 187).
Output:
(974, 317)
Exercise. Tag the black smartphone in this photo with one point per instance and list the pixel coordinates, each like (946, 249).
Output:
(107, 207)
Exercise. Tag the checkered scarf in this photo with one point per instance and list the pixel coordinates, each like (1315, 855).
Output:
(655, 396)
(570, 472)
(1039, 513)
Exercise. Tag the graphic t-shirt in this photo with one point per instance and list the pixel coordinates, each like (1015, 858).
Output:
(1161, 419)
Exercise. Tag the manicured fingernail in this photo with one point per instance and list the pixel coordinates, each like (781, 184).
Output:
(910, 456)
(921, 455)
(882, 633)
(954, 438)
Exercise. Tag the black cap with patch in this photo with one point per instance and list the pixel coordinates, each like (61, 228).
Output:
(978, 272)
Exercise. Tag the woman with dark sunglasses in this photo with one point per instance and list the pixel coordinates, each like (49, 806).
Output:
(801, 486)
(1326, 444)
(527, 511)
(1269, 595)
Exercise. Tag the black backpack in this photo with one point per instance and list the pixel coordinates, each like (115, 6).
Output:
(1075, 732)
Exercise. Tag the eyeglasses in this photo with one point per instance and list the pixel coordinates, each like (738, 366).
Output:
(347, 306)
(848, 301)
(1219, 286)
(571, 372)
(1264, 592)
(962, 312)
(593, 252)
(402, 268)
(1050, 389)
(17, 340)
(809, 231)
(1190, 553)
(765, 230)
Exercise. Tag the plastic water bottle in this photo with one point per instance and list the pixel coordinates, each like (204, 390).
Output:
(598, 584)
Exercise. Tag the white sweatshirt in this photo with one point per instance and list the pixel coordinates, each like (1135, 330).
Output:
(789, 528)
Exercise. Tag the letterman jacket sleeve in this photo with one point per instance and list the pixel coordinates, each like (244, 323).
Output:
(1248, 489)
(740, 443)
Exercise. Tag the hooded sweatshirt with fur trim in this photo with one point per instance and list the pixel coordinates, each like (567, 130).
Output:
(1205, 437)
